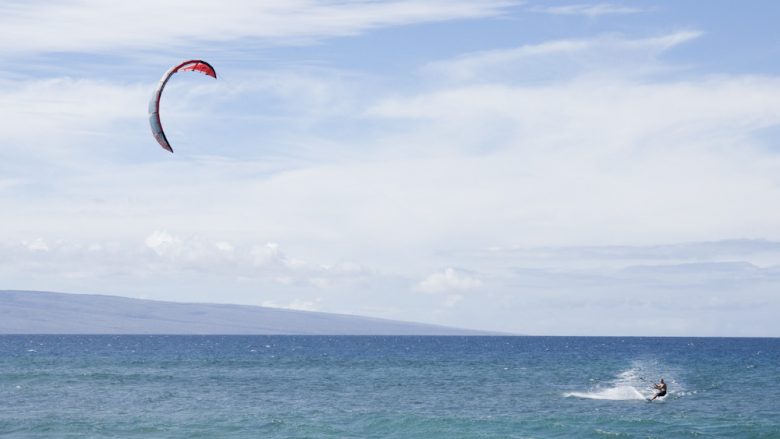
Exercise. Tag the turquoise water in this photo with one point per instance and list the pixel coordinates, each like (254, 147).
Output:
(386, 387)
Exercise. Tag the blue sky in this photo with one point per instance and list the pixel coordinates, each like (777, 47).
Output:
(579, 168)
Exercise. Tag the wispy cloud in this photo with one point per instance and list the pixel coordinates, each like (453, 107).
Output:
(589, 10)
(581, 55)
(94, 26)
(759, 252)
(65, 120)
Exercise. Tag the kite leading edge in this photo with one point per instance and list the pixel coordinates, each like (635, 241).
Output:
(193, 65)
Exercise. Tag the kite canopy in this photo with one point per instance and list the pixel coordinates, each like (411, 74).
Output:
(193, 65)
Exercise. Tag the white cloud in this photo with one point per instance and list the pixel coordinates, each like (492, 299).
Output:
(162, 256)
(267, 254)
(161, 241)
(647, 161)
(305, 305)
(225, 247)
(270, 255)
(449, 279)
(453, 300)
(37, 245)
(589, 10)
(92, 25)
(296, 304)
(552, 59)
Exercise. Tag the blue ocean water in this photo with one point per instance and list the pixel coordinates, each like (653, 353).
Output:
(386, 387)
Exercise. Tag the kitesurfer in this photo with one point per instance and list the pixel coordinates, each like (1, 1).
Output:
(660, 389)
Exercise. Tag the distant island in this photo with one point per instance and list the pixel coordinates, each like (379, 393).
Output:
(36, 312)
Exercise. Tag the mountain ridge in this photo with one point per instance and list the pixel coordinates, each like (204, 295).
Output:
(43, 312)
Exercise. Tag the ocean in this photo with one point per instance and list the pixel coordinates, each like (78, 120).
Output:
(386, 387)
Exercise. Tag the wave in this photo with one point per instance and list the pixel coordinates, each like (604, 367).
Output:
(627, 384)
(618, 393)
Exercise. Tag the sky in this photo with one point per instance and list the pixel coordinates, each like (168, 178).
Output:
(530, 167)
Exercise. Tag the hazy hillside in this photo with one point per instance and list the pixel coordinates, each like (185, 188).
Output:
(32, 312)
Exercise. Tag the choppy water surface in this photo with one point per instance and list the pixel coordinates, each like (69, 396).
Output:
(386, 387)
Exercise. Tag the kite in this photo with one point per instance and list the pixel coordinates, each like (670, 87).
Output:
(193, 65)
